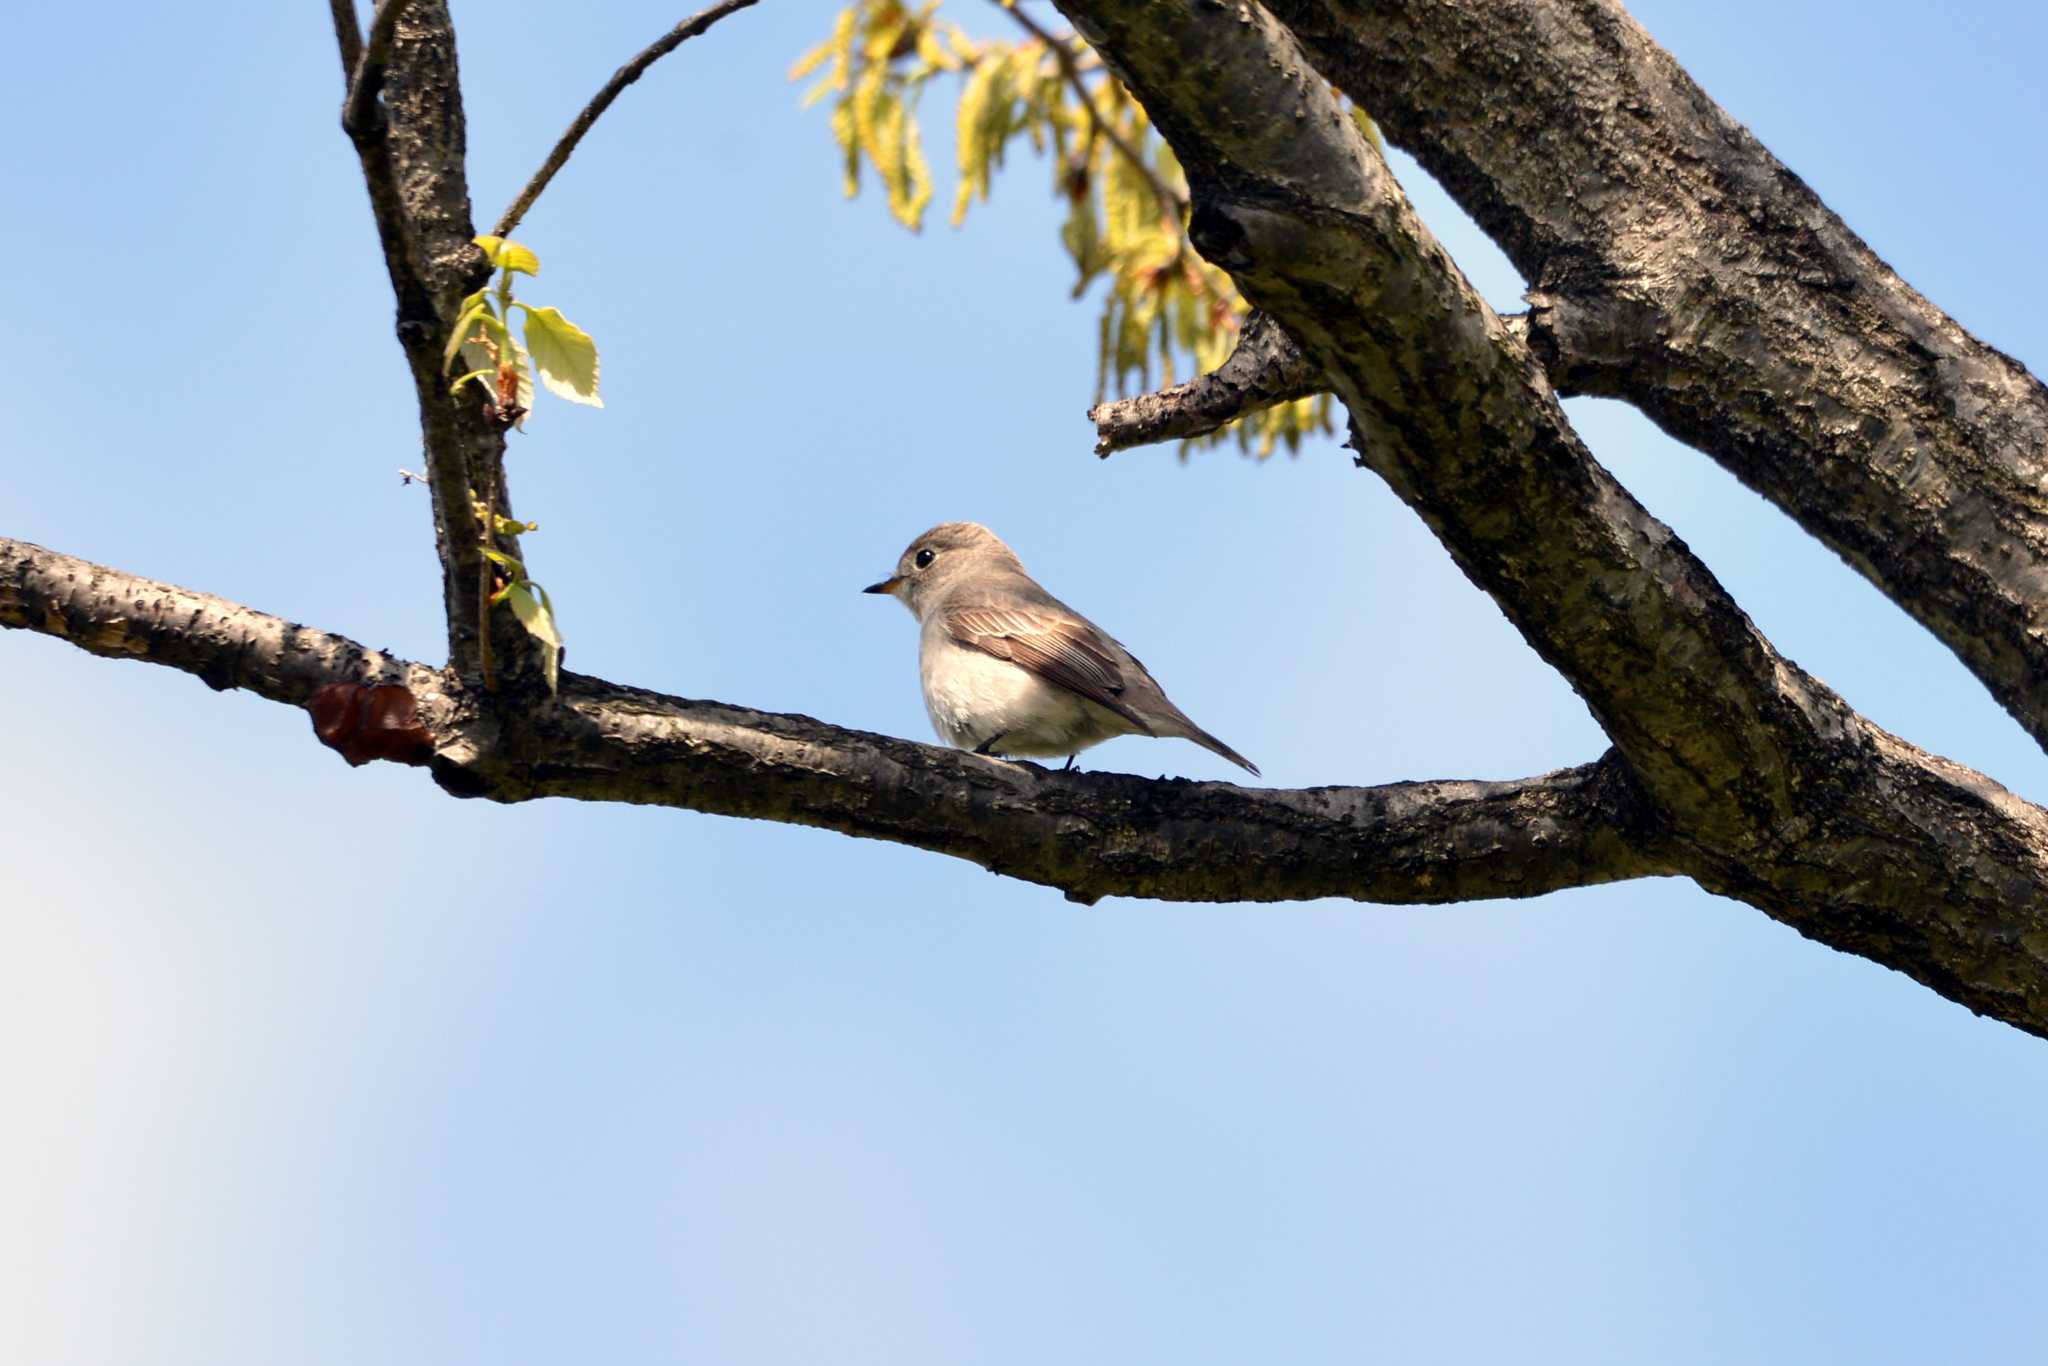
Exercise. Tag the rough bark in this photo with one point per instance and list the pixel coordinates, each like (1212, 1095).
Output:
(225, 645)
(1294, 201)
(1265, 368)
(1781, 792)
(1089, 834)
(1675, 263)
(411, 147)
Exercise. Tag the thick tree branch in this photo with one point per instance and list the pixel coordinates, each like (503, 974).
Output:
(1265, 368)
(1675, 263)
(1088, 834)
(1883, 820)
(1092, 834)
(412, 159)
(1788, 798)
(225, 645)
(602, 100)
(1297, 204)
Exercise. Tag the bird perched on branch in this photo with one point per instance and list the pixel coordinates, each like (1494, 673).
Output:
(1009, 669)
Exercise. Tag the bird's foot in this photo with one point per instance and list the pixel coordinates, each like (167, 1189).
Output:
(988, 747)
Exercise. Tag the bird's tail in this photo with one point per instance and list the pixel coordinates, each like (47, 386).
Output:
(1215, 746)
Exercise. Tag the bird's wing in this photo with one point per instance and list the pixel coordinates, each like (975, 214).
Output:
(1056, 645)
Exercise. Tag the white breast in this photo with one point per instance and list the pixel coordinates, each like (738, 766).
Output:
(974, 697)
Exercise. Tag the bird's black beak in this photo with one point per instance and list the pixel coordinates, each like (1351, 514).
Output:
(885, 586)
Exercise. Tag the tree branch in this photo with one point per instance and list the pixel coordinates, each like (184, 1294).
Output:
(1904, 858)
(1675, 263)
(1296, 203)
(1093, 834)
(412, 159)
(1786, 797)
(225, 645)
(602, 100)
(1265, 368)
(1089, 834)
(368, 79)
(349, 39)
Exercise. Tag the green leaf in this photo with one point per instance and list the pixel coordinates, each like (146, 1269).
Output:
(565, 355)
(916, 180)
(849, 146)
(1082, 235)
(529, 603)
(838, 47)
(504, 561)
(475, 352)
(968, 139)
(523, 365)
(934, 53)
(810, 61)
(506, 254)
(480, 358)
(464, 325)
(522, 361)
(1368, 127)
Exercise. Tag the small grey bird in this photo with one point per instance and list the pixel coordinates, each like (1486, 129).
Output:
(1010, 669)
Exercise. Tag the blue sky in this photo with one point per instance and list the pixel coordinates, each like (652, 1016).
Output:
(315, 1065)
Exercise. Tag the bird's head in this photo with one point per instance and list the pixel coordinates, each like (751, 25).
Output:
(939, 559)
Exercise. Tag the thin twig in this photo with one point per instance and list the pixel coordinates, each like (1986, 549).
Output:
(1265, 369)
(602, 101)
(347, 36)
(1173, 202)
(369, 71)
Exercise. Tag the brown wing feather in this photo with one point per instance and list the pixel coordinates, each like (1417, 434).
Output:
(1058, 648)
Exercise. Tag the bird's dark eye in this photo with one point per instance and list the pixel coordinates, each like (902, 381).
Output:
(924, 557)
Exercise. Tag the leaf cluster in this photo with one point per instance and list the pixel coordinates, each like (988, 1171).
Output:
(561, 353)
(1165, 311)
(877, 62)
(564, 356)
(534, 609)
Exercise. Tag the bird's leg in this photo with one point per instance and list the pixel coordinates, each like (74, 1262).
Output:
(988, 746)
(1068, 767)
